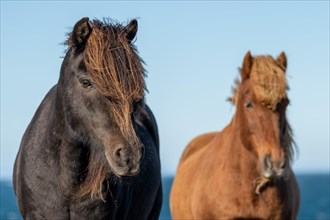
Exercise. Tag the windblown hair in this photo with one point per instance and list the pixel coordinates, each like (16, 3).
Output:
(117, 72)
(95, 183)
(269, 82)
(289, 145)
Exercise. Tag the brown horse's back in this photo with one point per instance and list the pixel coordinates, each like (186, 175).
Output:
(197, 144)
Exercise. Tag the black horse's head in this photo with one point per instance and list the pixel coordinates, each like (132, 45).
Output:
(102, 88)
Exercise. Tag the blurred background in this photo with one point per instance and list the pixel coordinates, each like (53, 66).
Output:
(192, 51)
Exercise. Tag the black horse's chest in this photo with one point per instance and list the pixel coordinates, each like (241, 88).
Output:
(125, 197)
(128, 197)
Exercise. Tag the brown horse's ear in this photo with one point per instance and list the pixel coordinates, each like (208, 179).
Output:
(131, 30)
(281, 59)
(247, 65)
(81, 31)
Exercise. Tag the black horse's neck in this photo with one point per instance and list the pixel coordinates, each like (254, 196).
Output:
(73, 153)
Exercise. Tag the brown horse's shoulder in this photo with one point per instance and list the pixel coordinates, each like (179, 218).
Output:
(196, 144)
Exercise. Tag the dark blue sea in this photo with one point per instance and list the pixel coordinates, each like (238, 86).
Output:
(314, 189)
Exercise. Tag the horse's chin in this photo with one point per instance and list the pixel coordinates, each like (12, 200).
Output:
(124, 173)
(283, 174)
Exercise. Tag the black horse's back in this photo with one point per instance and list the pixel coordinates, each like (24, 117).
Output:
(91, 150)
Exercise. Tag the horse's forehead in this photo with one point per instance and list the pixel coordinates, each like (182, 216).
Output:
(76, 60)
(109, 31)
(269, 82)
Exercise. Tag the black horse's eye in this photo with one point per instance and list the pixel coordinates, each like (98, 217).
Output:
(85, 83)
(249, 105)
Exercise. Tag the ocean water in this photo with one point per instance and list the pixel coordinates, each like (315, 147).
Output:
(314, 203)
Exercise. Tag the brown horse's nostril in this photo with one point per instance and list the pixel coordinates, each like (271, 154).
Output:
(268, 162)
(283, 164)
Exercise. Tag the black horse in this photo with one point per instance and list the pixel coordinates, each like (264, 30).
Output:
(91, 150)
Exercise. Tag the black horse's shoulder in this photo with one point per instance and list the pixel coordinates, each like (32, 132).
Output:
(40, 117)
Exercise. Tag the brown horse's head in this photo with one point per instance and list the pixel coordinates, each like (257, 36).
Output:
(261, 101)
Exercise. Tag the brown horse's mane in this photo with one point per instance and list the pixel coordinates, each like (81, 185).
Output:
(288, 141)
(270, 87)
(117, 71)
(269, 82)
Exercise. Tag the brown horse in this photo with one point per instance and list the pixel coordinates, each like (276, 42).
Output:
(243, 172)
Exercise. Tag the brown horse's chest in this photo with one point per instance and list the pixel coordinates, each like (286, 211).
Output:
(240, 201)
(233, 196)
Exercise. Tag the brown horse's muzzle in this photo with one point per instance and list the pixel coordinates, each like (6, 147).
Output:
(273, 169)
(270, 170)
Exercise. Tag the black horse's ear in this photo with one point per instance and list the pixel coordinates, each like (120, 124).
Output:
(247, 65)
(281, 59)
(81, 31)
(131, 30)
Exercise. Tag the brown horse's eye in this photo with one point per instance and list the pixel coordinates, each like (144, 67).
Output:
(249, 105)
(85, 83)
(137, 105)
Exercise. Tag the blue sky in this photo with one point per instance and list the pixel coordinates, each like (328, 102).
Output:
(192, 50)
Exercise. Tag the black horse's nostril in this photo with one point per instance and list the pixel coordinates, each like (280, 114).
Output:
(128, 161)
(283, 164)
(122, 156)
(119, 152)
